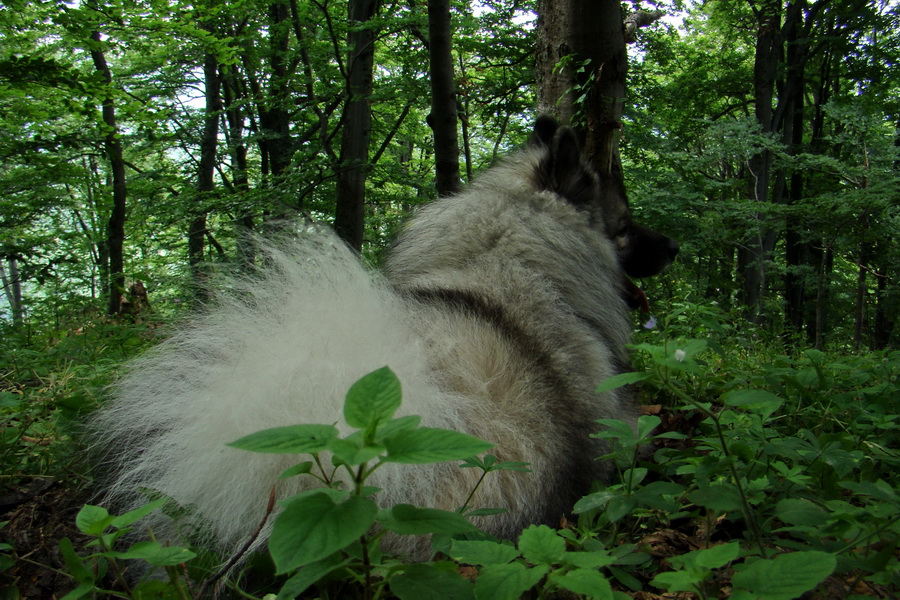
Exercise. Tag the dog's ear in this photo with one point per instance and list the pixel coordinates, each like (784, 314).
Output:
(544, 129)
(567, 174)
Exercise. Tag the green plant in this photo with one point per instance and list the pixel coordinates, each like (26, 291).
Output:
(325, 529)
(784, 461)
(91, 571)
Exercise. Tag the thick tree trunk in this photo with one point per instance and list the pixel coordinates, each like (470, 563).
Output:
(593, 33)
(795, 244)
(115, 231)
(443, 118)
(754, 251)
(554, 81)
(349, 217)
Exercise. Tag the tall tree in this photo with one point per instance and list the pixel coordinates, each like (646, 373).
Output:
(443, 118)
(349, 214)
(206, 169)
(115, 236)
(582, 66)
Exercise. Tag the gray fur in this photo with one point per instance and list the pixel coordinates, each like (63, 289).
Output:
(501, 309)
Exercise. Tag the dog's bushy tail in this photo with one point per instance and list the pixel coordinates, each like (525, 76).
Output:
(281, 348)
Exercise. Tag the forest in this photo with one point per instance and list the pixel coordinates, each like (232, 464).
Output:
(144, 145)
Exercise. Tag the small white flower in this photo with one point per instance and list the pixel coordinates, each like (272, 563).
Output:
(680, 354)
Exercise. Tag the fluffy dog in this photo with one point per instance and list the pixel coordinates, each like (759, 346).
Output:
(500, 309)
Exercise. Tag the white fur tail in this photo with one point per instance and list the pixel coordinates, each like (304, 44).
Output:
(282, 349)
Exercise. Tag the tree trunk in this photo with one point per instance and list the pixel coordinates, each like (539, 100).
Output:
(554, 80)
(593, 32)
(825, 268)
(795, 245)
(12, 288)
(206, 171)
(349, 217)
(115, 232)
(756, 248)
(443, 118)
(244, 224)
(277, 118)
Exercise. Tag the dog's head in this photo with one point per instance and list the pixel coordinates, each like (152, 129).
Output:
(642, 251)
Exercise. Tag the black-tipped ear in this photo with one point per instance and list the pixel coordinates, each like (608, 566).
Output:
(544, 129)
(561, 169)
(566, 154)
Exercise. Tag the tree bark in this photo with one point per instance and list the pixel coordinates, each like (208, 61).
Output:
(755, 249)
(206, 171)
(592, 34)
(115, 231)
(553, 77)
(349, 218)
(443, 118)
(232, 97)
(12, 288)
(277, 123)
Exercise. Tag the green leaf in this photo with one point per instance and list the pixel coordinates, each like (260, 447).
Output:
(757, 401)
(645, 426)
(586, 582)
(93, 520)
(133, 516)
(540, 544)
(407, 519)
(596, 500)
(590, 560)
(292, 439)
(876, 489)
(83, 589)
(482, 552)
(620, 506)
(373, 399)
(620, 380)
(298, 469)
(709, 558)
(310, 574)
(799, 511)
(156, 554)
(428, 582)
(74, 563)
(677, 581)
(716, 497)
(352, 451)
(10, 400)
(616, 429)
(786, 576)
(426, 445)
(507, 582)
(391, 427)
(313, 527)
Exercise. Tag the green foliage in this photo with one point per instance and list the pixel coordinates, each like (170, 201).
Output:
(785, 465)
(783, 448)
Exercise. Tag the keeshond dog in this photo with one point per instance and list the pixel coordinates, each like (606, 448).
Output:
(500, 309)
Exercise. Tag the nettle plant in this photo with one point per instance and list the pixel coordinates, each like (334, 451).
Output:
(333, 530)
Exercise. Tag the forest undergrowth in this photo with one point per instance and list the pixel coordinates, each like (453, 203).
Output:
(758, 471)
